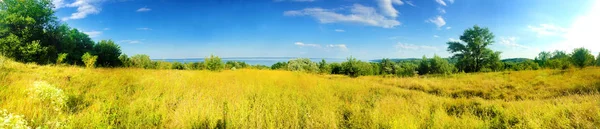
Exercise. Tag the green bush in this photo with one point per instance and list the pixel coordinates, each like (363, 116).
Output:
(108, 53)
(214, 63)
(279, 65)
(89, 60)
(141, 61)
(61, 57)
(323, 67)
(582, 57)
(178, 66)
(303, 64)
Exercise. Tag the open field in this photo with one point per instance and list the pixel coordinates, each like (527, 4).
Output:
(74, 97)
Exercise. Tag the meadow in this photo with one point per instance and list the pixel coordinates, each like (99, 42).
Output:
(53, 96)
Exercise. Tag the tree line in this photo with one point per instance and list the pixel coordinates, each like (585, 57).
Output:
(29, 32)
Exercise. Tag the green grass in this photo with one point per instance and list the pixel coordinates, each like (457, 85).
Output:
(246, 98)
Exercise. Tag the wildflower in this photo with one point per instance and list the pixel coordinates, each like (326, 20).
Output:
(9, 120)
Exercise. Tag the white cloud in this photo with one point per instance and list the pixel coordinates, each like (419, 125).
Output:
(144, 9)
(58, 4)
(339, 30)
(436, 36)
(406, 46)
(451, 1)
(547, 30)
(447, 28)
(441, 2)
(358, 14)
(106, 28)
(144, 28)
(84, 8)
(93, 34)
(441, 10)
(583, 32)
(301, 44)
(410, 3)
(454, 40)
(438, 21)
(511, 42)
(338, 46)
(130, 41)
(387, 7)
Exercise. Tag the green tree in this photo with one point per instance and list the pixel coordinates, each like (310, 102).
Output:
(23, 27)
(108, 53)
(351, 67)
(437, 65)
(141, 61)
(582, 57)
(543, 58)
(406, 69)
(423, 66)
(178, 66)
(472, 53)
(89, 60)
(214, 63)
(125, 61)
(336, 68)
(323, 67)
(387, 66)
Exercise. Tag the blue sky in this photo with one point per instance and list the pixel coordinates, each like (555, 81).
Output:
(366, 29)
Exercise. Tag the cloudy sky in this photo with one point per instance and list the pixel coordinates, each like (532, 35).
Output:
(367, 29)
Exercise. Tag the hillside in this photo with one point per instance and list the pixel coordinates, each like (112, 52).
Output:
(65, 96)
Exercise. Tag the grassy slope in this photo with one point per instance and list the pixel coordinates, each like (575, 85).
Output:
(141, 98)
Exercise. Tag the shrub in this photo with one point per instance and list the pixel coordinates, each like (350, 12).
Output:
(437, 65)
(237, 64)
(141, 61)
(213, 63)
(178, 66)
(125, 61)
(89, 60)
(387, 66)
(423, 66)
(582, 57)
(323, 67)
(406, 69)
(108, 53)
(61, 57)
(336, 68)
(279, 65)
(302, 64)
(351, 67)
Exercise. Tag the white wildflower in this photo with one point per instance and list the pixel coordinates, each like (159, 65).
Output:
(46, 93)
(9, 120)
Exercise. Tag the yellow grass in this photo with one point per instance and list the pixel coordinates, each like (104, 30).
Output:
(139, 98)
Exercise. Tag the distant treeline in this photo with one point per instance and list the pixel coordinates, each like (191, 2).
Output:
(29, 32)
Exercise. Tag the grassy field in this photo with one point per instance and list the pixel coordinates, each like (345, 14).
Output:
(74, 97)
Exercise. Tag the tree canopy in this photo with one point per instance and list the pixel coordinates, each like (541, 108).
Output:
(471, 52)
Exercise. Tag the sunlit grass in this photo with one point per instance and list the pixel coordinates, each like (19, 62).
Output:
(245, 98)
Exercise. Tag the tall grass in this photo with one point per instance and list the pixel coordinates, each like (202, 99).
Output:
(245, 98)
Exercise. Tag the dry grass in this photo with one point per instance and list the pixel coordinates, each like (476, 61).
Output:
(138, 98)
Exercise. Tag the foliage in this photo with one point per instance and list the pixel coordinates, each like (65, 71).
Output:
(61, 57)
(324, 67)
(178, 66)
(235, 64)
(354, 68)
(437, 65)
(387, 66)
(279, 65)
(89, 60)
(423, 66)
(195, 66)
(598, 59)
(472, 53)
(125, 61)
(543, 58)
(213, 63)
(336, 68)
(302, 64)
(22, 27)
(108, 53)
(142, 61)
(582, 57)
(406, 69)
